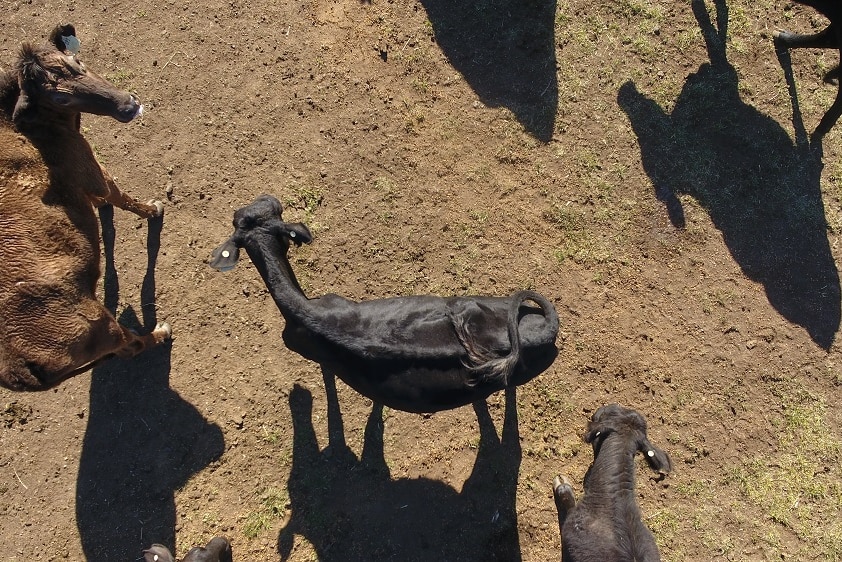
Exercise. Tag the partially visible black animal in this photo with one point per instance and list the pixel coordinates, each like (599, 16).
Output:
(413, 353)
(217, 550)
(606, 525)
(829, 38)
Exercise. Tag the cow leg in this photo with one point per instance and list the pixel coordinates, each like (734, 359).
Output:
(833, 113)
(830, 118)
(31, 376)
(127, 203)
(135, 343)
(825, 39)
(564, 499)
(829, 38)
(106, 336)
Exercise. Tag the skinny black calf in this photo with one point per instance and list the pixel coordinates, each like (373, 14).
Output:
(829, 38)
(217, 550)
(414, 353)
(606, 525)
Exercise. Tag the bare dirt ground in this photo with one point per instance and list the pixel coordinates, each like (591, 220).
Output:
(643, 163)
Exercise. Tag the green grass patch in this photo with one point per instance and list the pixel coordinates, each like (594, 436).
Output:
(121, 78)
(308, 199)
(799, 487)
(272, 508)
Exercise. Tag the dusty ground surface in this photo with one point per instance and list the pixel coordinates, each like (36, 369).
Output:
(640, 162)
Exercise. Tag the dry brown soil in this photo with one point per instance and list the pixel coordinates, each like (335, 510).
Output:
(626, 158)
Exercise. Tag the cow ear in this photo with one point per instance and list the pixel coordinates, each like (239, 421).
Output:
(298, 233)
(221, 548)
(157, 553)
(595, 431)
(31, 73)
(658, 460)
(225, 257)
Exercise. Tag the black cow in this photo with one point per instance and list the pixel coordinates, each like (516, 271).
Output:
(217, 550)
(829, 38)
(413, 353)
(606, 525)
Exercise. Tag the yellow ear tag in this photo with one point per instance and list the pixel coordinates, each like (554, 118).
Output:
(71, 43)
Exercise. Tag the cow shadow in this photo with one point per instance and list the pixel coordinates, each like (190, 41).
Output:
(352, 509)
(505, 50)
(761, 189)
(143, 441)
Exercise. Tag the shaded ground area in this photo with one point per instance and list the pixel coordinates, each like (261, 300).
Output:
(761, 188)
(644, 164)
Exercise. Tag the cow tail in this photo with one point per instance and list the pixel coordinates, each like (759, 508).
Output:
(488, 367)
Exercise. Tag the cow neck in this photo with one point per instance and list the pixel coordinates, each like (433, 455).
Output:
(613, 471)
(75, 174)
(53, 134)
(268, 255)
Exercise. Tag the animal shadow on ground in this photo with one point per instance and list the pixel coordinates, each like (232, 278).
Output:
(505, 50)
(143, 441)
(351, 509)
(762, 190)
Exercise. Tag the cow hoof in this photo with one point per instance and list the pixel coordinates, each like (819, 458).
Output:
(162, 331)
(563, 495)
(159, 207)
(559, 482)
(563, 490)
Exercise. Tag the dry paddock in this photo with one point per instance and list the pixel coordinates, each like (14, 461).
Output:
(643, 166)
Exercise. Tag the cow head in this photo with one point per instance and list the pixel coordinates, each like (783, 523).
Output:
(262, 216)
(615, 419)
(52, 80)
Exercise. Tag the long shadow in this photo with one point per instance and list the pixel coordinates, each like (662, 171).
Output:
(351, 509)
(761, 188)
(143, 440)
(505, 50)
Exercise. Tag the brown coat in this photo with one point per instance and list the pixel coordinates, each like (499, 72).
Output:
(51, 324)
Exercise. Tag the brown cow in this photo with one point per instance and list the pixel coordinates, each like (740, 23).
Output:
(52, 326)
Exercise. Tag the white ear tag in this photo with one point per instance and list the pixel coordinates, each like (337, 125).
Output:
(71, 43)
(226, 253)
(650, 453)
(291, 234)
